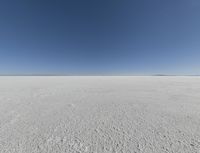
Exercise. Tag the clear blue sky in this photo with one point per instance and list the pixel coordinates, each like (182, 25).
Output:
(100, 37)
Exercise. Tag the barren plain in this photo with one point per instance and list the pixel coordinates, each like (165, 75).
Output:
(99, 114)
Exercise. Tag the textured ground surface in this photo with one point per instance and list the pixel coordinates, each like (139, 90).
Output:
(100, 114)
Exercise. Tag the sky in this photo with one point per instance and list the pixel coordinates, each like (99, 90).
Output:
(101, 37)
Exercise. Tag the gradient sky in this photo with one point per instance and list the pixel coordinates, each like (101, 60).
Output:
(100, 37)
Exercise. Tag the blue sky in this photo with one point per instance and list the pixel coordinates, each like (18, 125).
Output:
(139, 37)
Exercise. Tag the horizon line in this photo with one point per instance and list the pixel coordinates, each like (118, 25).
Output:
(98, 75)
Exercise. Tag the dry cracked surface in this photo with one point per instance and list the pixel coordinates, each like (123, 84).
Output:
(100, 114)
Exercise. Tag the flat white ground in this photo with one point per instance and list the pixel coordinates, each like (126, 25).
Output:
(100, 114)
